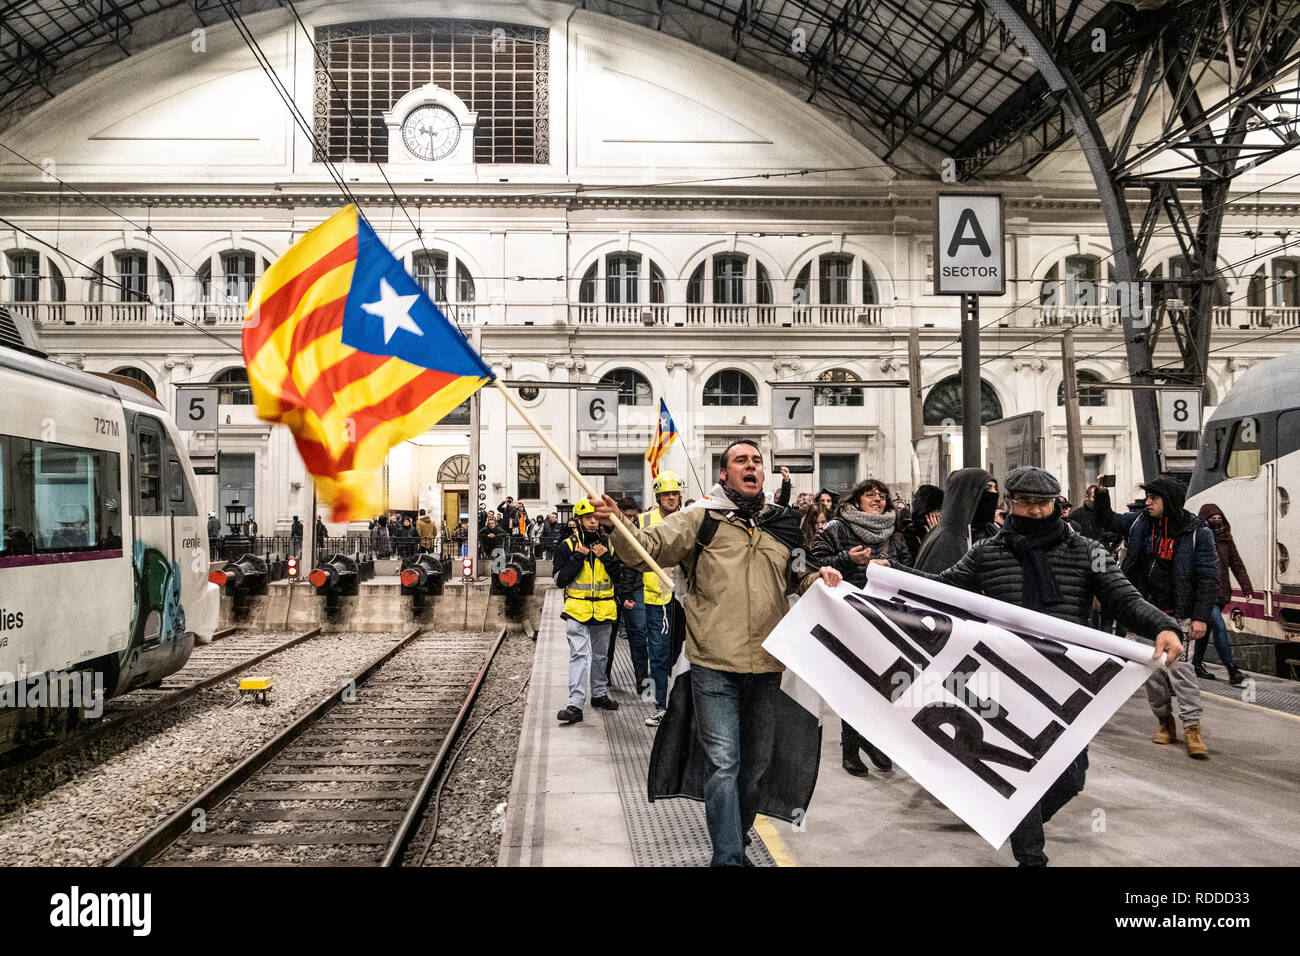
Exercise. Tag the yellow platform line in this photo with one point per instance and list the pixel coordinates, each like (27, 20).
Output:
(772, 840)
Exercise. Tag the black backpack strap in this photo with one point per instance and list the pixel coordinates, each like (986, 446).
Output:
(704, 538)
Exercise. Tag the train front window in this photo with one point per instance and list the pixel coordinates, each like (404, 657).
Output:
(1243, 455)
(149, 472)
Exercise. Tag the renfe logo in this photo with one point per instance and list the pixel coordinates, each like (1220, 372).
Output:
(103, 909)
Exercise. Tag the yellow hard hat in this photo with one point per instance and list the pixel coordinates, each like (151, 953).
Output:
(666, 482)
(583, 507)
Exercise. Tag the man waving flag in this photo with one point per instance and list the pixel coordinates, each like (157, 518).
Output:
(665, 435)
(347, 350)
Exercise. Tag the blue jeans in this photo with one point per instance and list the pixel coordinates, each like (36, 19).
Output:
(658, 630)
(1218, 631)
(637, 643)
(735, 719)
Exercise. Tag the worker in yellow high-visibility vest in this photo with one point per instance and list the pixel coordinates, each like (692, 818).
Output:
(595, 583)
(650, 622)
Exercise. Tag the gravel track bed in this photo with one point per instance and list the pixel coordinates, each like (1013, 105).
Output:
(472, 814)
(109, 803)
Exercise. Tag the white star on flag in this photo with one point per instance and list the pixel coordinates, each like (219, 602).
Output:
(394, 309)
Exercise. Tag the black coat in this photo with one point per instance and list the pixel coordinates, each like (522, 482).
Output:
(1085, 521)
(992, 569)
(951, 538)
(836, 538)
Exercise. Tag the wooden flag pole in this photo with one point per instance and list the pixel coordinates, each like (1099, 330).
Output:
(582, 483)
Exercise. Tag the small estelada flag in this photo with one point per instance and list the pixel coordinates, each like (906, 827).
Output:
(665, 435)
(345, 348)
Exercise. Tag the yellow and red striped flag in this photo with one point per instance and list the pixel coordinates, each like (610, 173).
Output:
(665, 435)
(347, 350)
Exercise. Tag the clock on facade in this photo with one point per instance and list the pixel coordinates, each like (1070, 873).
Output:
(431, 132)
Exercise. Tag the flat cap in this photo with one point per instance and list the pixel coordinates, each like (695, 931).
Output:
(1032, 481)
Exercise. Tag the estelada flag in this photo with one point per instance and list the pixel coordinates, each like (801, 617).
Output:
(347, 350)
(665, 435)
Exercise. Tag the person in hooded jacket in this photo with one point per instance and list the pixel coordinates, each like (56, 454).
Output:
(926, 510)
(863, 530)
(983, 525)
(1038, 561)
(1229, 561)
(1173, 562)
(964, 495)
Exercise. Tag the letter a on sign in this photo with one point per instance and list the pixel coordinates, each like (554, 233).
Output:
(968, 244)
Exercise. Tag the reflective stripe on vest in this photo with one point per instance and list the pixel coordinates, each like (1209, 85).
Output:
(650, 581)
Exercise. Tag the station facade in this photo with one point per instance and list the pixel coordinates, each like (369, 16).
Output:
(607, 213)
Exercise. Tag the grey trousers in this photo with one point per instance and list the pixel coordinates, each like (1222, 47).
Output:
(1176, 681)
(588, 650)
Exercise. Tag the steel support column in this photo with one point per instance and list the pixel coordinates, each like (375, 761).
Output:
(1059, 79)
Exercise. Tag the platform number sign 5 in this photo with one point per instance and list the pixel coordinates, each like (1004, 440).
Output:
(196, 409)
(1180, 410)
(792, 407)
(597, 410)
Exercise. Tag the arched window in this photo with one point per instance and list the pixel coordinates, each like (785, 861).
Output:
(633, 387)
(1257, 290)
(454, 471)
(728, 275)
(622, 279)
(838, 395)
(587, 288)
(834, 271)
(730, 387)
(240, 270)
(139, 375)
(130, 275)
(943, 406)
(1090, 396)
(1286, 282)
(27, 269)
(835, 282)
(625, 280)
(432, 272)
(237, 391)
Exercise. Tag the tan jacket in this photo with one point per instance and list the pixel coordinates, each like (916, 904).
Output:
(427, 530)
(738, 594)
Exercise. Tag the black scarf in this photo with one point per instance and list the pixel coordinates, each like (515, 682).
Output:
(747, 506)
(1028, 539)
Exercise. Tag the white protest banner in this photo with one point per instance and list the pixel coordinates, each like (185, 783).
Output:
(984, 704)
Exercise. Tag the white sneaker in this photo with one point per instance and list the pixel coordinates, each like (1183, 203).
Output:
(655, 720)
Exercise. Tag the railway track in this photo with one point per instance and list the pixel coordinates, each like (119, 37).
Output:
(209, 664)
(344, 785)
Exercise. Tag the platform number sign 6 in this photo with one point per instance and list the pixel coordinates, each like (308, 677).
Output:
(792, 407)
(597, 410)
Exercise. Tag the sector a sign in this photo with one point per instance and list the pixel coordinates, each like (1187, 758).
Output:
(969, 247)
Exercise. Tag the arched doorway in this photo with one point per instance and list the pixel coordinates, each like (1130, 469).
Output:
(453, 479)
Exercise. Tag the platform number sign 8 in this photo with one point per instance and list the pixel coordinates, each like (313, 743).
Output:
(597, 410)
(1180, 410)
(792, 407)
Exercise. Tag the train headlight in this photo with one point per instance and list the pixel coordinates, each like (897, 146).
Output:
(467, 567)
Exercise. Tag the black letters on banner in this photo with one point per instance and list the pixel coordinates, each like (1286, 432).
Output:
(996, 714)
(951, 609)
(887, 684)
(931, 637)
(967, 744)
(1092, 681)
(1073, 705)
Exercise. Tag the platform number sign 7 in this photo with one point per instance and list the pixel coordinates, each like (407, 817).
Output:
(792, 407)
(196, 409)
(1180, 410)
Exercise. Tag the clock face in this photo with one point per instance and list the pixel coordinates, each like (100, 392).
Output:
(431, 132)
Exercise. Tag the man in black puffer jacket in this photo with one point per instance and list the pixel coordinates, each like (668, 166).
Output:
(1038, 561)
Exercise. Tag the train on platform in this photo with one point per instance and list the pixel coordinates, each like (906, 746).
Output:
(103, 551)
(1249, 465)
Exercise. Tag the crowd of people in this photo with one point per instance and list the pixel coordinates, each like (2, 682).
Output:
(1154, 572)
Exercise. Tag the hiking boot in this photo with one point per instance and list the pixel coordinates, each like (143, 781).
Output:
(570, 715)
(854, 765)
(1204, 674)
(878, 757)
(1168, 732)
(604, 703)
(1236, 678)
(1195, 744)
(655, 720)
